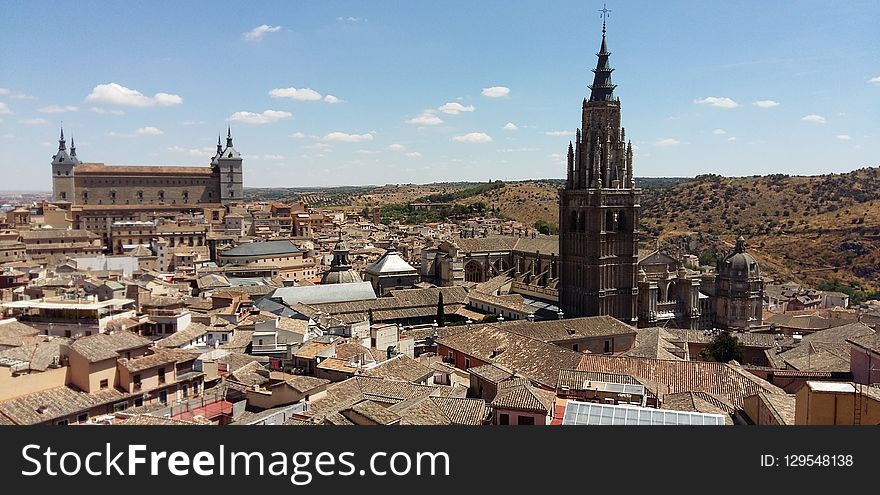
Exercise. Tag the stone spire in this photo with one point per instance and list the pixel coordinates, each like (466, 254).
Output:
(219, 146)
(602, 88)
(740, 245)
(72, 148)
(62, 145)
(228, 136)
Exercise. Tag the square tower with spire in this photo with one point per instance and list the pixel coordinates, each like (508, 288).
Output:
(63, 164)
(227, 163)
(599, 210)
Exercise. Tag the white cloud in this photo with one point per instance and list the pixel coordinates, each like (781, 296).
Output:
(58, 109)
(320, 146)
(667, 142)
(36, 121)
(428, 117)
(496, 91)
(517, 150)
(332, 99)
(874, 80)
(731, 139)
(204, 151)
(260, 32)
(396, 147)
(347, 138)
(149, 131)
(558, 133)
(8, 135)
(717, 101)
(4, 109)
(473, 137)
(193, 122)
(844, 137)
(297, 135)
(120, 95)
(351, 19)
(719, 132)
(273, 157)
(454, 108)
(265, 117)
(556, 157)
(817, 119)
(510, 126)
(766, 103)
(414, 154)
(104, 111)
(304, 94)
(15, 95)
(369, 152)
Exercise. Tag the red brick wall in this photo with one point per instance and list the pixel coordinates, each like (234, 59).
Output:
(459, 358)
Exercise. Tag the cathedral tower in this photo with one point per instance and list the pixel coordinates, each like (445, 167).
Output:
(63, 164)
(599, 210)
(228, 163)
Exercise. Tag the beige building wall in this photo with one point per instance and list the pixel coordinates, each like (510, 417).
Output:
(56, 217)
(835, 408)
(121, 185)
(149, 378)
(28, 383)
(88, 376)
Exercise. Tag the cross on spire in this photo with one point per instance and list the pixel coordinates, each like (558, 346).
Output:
(605, 11)
(61, 143)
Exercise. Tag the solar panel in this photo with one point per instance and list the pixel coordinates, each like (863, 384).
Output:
(588, 413)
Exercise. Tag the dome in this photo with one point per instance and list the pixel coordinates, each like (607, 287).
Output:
(341, 271)
(349, 276)
(739, 264)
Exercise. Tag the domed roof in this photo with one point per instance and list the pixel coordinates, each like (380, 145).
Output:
(349, 276)
(739, 264)
(389, 263)
(341, 271)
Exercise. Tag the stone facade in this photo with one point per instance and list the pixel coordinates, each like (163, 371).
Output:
(99, 184)
(669, 294)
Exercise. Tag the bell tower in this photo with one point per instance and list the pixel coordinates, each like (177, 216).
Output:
(599, 209)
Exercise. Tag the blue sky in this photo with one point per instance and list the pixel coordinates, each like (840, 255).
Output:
(398, 92)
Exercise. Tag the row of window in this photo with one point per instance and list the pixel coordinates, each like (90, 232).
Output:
(183, 392)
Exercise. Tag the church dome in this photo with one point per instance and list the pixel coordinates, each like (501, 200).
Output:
(739, 264)
(341, 271)
(341, 277)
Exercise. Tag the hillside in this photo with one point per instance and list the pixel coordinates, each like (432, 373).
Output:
(805, 228)
(802, 228)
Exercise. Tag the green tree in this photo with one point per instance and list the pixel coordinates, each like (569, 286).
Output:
(723, 348)
(708, 258)
(441, 311)
(546, 228)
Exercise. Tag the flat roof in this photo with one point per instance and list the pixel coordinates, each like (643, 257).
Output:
(837, 387)
(41, 304)
(588, 413)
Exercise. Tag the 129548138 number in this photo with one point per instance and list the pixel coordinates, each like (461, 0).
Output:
(817, 460)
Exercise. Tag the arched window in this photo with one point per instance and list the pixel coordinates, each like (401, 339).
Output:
(611, 221)
(473, 271)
